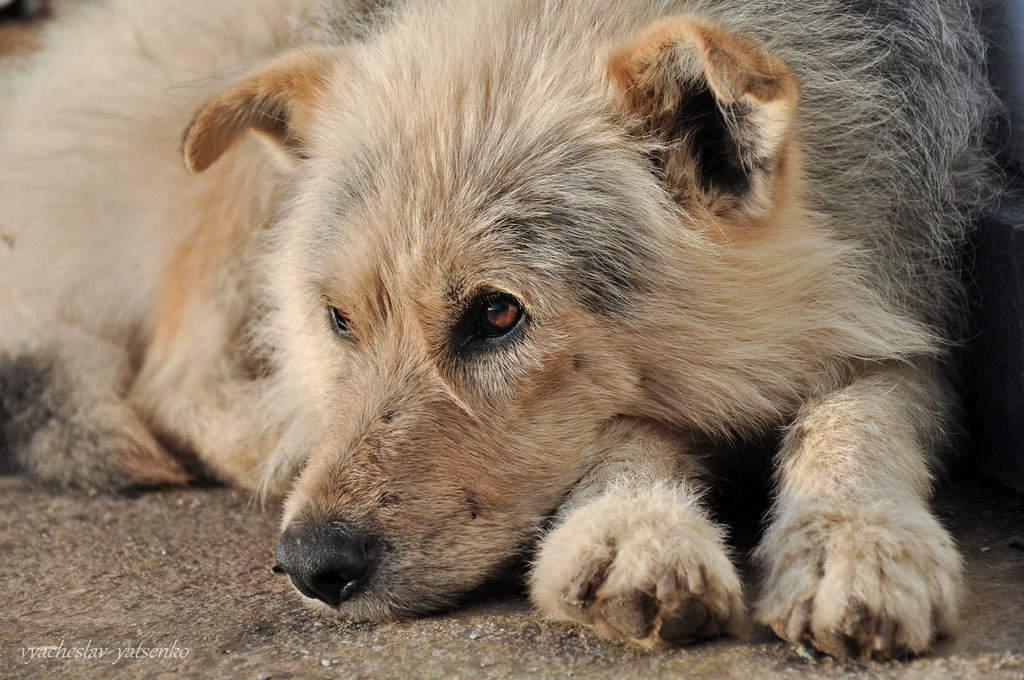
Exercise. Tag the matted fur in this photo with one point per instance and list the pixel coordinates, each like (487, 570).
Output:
(721, 220)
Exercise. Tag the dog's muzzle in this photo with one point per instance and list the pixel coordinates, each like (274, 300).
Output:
(325, 561)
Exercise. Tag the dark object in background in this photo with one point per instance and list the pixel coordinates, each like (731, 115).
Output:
(998, 346)
(998, 273)
(23, 9)
(1003, 23)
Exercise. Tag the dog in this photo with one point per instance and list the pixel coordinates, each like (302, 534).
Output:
(477, 282)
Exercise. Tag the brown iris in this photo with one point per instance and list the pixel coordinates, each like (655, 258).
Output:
(499, 315)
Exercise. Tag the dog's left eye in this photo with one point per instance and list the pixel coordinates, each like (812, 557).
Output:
(339, 323)
(499, 315)
(488, 321)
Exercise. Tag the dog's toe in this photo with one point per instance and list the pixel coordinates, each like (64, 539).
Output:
(631, 615)
(690, 619)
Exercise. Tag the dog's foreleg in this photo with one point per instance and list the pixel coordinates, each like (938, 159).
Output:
(634, 553)
(854, 561)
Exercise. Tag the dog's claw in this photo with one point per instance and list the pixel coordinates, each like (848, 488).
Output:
(885, 634)
(581, 591)
(796, 627)
(666, 586)
(854, 621)
(695, 580)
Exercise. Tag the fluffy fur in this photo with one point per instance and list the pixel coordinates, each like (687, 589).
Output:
(716, 221)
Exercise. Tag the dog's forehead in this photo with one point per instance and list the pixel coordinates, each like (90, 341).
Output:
(502, 158)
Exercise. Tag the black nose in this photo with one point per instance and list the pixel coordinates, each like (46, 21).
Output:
(325, 561)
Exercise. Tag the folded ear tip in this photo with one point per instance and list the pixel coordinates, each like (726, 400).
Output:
(723, 102)
(195, 166)
(734, 65)
(191, 149)
(271, 101)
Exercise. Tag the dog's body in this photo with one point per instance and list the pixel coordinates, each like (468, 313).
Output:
(521, 264)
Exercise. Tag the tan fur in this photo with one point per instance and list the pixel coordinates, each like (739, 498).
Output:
(702, 223)
(277, 102)
(17, 39)
(201, 288)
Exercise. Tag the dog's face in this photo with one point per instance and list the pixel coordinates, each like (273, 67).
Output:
(470, 259)
(464, 285)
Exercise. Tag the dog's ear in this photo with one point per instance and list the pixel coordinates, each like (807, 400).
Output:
(717, 106)
(276, 102)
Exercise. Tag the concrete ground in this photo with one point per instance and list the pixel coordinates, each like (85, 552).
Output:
(178, 582)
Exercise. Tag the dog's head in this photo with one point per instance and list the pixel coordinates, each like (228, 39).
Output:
(490, 227)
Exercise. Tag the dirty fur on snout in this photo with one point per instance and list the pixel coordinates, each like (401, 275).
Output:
(719, 220)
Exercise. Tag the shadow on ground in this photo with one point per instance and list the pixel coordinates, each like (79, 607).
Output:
(178, 582)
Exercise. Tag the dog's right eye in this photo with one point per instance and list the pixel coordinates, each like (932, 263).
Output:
(339, 323)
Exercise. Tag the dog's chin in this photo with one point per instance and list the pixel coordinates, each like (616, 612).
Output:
(374, 603)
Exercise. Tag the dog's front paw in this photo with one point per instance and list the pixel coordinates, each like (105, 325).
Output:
(876, 583)
(643, 565)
